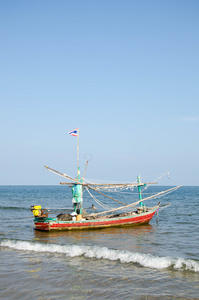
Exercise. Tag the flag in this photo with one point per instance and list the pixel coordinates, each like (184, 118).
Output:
(74, 132)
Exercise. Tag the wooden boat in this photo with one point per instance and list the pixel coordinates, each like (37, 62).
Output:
(45, 223)
(80, 219)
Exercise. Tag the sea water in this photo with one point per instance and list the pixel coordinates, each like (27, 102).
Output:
(155, 261)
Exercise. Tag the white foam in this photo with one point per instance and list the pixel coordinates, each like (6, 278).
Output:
(124, 256)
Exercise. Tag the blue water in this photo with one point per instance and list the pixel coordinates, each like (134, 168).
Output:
(155, 261)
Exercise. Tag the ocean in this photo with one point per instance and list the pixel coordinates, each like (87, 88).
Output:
(155, 261)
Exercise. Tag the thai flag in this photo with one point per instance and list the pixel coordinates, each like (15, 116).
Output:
(74, 132)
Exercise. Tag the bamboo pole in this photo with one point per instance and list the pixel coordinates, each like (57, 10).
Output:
(110, 185)
(85, 169)
(59, 173)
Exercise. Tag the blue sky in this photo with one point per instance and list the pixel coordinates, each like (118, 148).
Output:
(125, 72)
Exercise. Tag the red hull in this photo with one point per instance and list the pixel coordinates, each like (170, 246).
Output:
(53, 224)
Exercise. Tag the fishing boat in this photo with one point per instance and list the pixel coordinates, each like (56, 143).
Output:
(135, 213)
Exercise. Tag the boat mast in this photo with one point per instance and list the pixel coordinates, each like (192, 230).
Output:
(77, 187)
(139, 190)
(78, 168)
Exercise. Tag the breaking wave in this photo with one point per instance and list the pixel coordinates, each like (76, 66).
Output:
(124, 256)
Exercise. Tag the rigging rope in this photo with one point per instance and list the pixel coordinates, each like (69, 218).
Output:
(156, 180)
(137, 202)
(98, 202)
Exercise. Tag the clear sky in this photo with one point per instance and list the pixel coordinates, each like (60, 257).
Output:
(125, 72)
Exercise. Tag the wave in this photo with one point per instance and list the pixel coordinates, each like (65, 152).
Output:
(124, 256)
